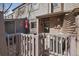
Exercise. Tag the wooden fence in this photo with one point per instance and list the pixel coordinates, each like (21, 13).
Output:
(27, 44)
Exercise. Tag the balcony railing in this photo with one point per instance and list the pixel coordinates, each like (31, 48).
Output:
(21, 44)
(48, 44)
(53, 44)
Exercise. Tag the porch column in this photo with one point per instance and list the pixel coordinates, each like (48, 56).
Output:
(37, 40)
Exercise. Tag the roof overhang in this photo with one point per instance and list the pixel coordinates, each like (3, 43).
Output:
(16, 19)
(52, 15)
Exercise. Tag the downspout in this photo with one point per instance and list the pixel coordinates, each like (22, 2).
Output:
(52, 9)
(62, 7)
(29, 13)
(48, 8)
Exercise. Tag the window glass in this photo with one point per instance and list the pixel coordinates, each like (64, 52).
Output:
(33, 24)
(46, 26)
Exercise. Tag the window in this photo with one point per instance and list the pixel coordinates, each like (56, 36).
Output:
(55, 5)
(33, 24)
(46, 26)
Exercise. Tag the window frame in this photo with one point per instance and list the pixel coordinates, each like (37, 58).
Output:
(33, 25)
(55, 6)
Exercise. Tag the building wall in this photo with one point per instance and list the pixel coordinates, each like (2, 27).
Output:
(31, 12)
(40, 9)
(10, 27)
(43, 8)
(9, 16)
(70, 6)
(57, 8)
(66, 7)
(21, 12)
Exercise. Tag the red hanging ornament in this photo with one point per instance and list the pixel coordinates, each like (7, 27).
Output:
(26, 24)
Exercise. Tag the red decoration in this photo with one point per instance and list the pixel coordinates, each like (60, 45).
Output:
(26, 24)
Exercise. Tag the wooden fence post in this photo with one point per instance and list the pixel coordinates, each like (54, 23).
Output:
(37, 39)
(3, 46)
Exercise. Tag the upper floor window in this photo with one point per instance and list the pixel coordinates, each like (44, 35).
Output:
(33, 24)
(55, 5)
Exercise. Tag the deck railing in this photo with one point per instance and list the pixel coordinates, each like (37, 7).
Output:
(21, 44)
(55, 44)
(26, 44)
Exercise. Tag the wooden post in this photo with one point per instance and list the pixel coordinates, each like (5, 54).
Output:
(48, 41)
(33, 45)
(61, 46)
(53, 46)
(57, 45)
(21, 45)
(26, 44)
(37, 40)
(13, 46)
(62, 6)
(77, 30)
(15, 25)
(8, 44)
(73, 45)
(66, 51)
(3, 45)
(29, 45)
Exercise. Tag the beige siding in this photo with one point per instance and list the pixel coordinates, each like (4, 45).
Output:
(70, 6)
(43, 9)
(57, 8)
